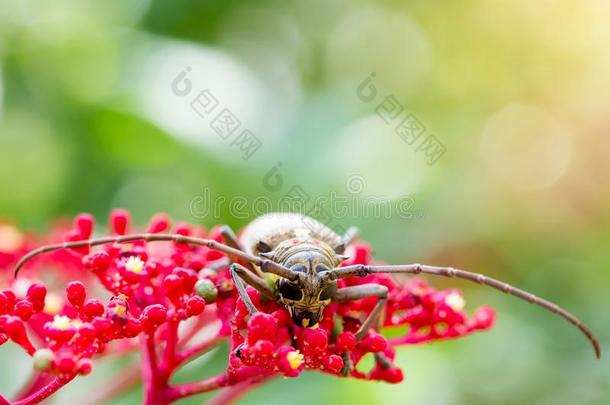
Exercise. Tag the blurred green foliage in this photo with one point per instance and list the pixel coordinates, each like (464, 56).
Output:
(516, 91)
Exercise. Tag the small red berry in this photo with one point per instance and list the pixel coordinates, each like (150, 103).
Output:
(76, 293)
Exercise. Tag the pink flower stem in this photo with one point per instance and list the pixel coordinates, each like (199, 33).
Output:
(198, 350)
(37, 381)
(150, 372)
(230, 395)
(115, 387)
(185, 390)
(169, 354)
(45, 391)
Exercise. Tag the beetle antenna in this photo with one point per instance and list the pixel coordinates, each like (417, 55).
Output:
(264, 264)
(363, 270)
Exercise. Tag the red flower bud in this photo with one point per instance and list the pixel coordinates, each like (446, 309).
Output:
(84, 223)
(84, 366)
(24, 309)
(346, 342)
(3, 304)
(188, 276)
(392, 375)
(76, 293)
(66, 364)
(119, 221)
(374, 343)
(183, 228)
(263, 348)
(93, 308)
(8, 300)
(102, 325)
(37, 292)
(333, 363)
(159, 223)
(195, 305)
(97, 262)
(153, 316)
(315, 340)
(261, 326)
(15, 329)
(484, 317)
(133, 327)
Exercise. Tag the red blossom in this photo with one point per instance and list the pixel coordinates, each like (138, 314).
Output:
(135, 296)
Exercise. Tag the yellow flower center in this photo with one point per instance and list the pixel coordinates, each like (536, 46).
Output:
(120, 310)
(455, 301)
(61, 322)
(295, 359)
(134, 264)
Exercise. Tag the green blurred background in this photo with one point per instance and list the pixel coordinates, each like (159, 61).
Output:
(517, 92)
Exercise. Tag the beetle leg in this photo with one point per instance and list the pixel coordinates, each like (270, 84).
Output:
(253, 280)
(231, 240)
(358, 292)
(241, 289)
(351, 236)
(364, 291)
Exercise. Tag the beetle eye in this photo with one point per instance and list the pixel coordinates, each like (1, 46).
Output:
(321, 268)
(327, 293)
(290, 291)
(299, 268)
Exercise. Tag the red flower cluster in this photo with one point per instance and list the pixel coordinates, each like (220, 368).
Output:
(146, 291)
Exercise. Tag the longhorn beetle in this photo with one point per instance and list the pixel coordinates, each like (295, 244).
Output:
(303, 256)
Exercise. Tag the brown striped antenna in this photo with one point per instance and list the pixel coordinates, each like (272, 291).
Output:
(363, 270)
(264, 264)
